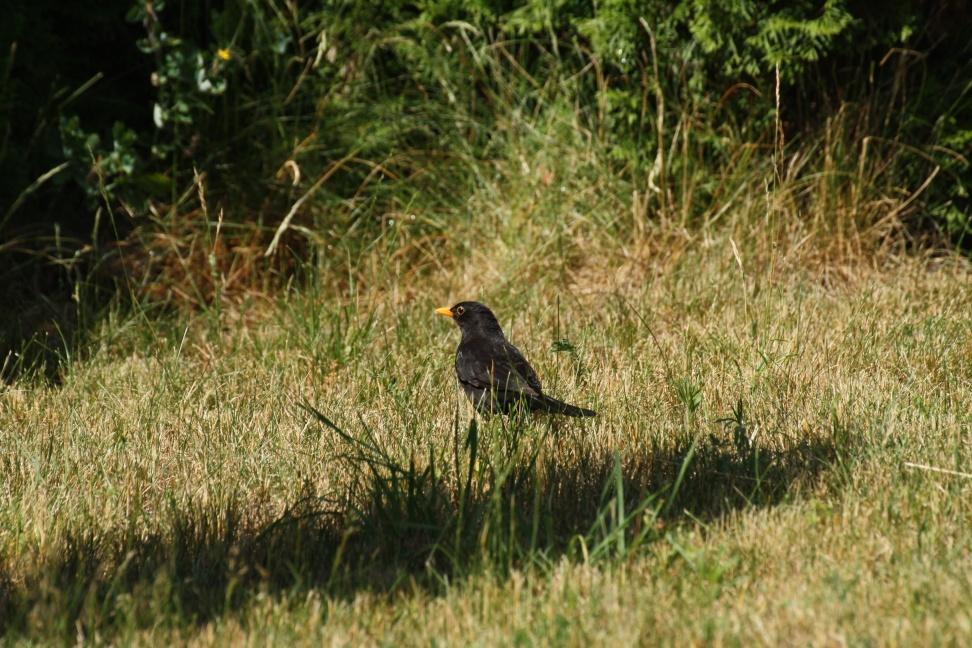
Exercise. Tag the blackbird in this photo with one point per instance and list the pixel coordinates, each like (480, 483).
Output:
(493, 373)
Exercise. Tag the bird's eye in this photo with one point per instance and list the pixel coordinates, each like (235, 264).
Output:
(460, 310)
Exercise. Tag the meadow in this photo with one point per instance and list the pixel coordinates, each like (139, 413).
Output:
(228, 411)
(781, 453)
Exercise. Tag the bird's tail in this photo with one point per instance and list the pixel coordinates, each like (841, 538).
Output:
(554, 406)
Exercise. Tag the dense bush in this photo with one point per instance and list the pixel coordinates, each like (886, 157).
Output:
(237, 89)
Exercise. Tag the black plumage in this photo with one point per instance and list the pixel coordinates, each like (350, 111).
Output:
(493, 373)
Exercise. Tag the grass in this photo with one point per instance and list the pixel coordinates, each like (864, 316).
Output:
(780, 394)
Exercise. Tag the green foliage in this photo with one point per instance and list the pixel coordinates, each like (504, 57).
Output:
(754, 37)
(390, 104)
(96, 168)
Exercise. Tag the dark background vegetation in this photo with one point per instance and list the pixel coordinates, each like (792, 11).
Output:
(114, 115)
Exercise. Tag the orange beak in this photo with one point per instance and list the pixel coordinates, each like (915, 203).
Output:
(445, 312)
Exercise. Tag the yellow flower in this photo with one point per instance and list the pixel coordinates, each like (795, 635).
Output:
(224, 54)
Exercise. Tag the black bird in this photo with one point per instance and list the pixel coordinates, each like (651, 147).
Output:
(493, 373)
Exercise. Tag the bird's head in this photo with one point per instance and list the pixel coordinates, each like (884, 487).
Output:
(471, 316)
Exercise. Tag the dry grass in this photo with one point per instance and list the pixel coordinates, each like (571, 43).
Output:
(805, 367)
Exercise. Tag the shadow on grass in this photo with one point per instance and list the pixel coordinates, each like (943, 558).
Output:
(37, 332)
(487, 503)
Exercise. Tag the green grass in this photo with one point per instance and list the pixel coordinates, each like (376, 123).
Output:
(779, 391)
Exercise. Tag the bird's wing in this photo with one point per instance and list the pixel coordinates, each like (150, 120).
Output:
(496, 366)
(522, 367)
